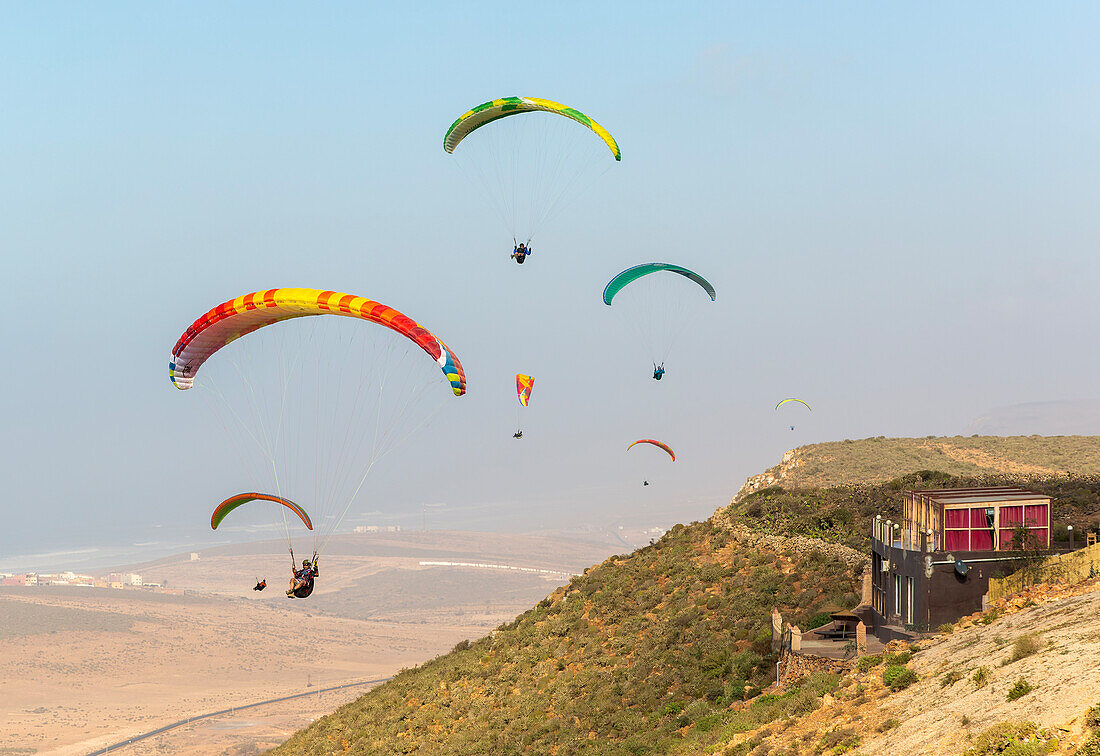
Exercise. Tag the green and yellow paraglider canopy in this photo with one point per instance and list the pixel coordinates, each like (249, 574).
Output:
(794, 399)
(487, 112)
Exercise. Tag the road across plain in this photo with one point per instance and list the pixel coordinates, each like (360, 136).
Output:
(145, 735)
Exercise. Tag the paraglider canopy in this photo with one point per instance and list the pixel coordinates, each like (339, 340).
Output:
(240, 499)
(310, 403)
(524, 385)
(487, 112)
(664, 447)
(792, 399)
(630, 275)
(659, 309)
(238, 317)
(531, 165)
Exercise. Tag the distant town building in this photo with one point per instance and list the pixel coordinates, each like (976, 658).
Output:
(377, 528)
(934, 566)
(123, 578)
(194, 556)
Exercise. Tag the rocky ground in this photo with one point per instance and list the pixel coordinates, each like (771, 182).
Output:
(965, 679)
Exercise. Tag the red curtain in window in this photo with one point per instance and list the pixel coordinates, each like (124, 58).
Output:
(1035, 515)
(1012, 516)
(978, 518)
(1042, 535)
(956, 540)
(981, 540)
(956, 518)
(1007, 535)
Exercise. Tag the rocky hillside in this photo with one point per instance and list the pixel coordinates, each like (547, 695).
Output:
(668, 649)
(877, 460)
(1020, 679)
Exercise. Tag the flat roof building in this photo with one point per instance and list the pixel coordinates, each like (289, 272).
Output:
(934, 566)
(975, 519)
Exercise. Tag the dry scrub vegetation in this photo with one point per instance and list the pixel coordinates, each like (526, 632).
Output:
(644, 653)
(667, 650)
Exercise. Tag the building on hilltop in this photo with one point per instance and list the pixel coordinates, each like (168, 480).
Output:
(934, 566)
(975, 519)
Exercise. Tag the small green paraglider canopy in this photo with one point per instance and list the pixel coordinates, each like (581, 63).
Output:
(630, 275)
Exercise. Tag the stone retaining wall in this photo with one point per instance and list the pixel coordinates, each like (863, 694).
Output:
(797, 666)
(799, 545)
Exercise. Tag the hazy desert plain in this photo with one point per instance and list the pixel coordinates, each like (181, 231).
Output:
(86, 668)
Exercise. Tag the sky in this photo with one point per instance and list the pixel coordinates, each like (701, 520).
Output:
(895, 204)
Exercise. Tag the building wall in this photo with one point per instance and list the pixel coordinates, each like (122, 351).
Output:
(941, 598)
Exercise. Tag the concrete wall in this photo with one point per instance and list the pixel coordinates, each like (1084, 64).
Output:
(1073, 567)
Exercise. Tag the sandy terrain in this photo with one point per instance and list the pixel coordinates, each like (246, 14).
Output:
(85, 668)
(1064, 672)
(73, 690)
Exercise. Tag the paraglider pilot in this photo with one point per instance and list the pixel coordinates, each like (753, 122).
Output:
(303, 578)
(519, 254)
(658, 371)
(260, 585)
(518, 434)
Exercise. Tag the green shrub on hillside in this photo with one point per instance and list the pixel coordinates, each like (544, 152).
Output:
(1013, 739)
(1025, 646)
(899, 677)
(866, 663)
(950, 678)
(900, 658)
(1020, 689)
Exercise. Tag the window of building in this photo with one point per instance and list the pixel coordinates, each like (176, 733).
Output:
(1035, 517)
(968, 529)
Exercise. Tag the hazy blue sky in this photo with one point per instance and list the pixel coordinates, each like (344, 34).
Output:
(897, 206)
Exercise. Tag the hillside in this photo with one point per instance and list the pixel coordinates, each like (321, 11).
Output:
(667, 650)
(877, 460)
(634, 656)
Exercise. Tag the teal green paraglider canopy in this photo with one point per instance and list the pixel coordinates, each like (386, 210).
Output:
(630, 275)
